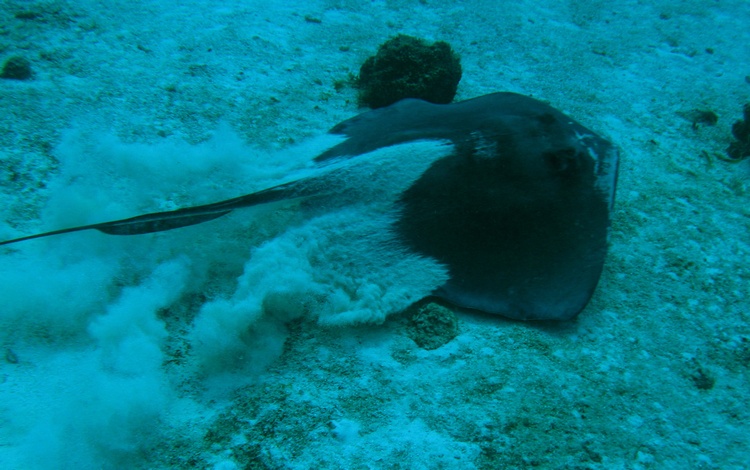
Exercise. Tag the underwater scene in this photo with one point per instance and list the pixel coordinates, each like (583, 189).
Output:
(385, 234)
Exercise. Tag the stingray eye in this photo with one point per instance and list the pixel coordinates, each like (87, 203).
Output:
(547, 119)
(564, 161)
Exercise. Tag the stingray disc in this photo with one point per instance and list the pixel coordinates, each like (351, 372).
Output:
(519, 212)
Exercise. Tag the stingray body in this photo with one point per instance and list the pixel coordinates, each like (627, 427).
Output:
(514, 200)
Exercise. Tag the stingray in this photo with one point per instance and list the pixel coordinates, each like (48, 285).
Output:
(516, 204)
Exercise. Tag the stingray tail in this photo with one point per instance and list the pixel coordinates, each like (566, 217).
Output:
(168, 220)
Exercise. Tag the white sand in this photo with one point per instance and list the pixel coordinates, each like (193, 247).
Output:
(131, 351)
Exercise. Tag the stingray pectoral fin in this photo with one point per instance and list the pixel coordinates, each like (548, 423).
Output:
(168, 220)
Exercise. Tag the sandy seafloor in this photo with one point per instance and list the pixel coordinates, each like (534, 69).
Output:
(176, 350)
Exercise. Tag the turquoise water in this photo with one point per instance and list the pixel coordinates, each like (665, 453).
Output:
(259, 341)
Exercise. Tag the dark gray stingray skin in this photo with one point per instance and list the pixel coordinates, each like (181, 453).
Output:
(518, 212)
